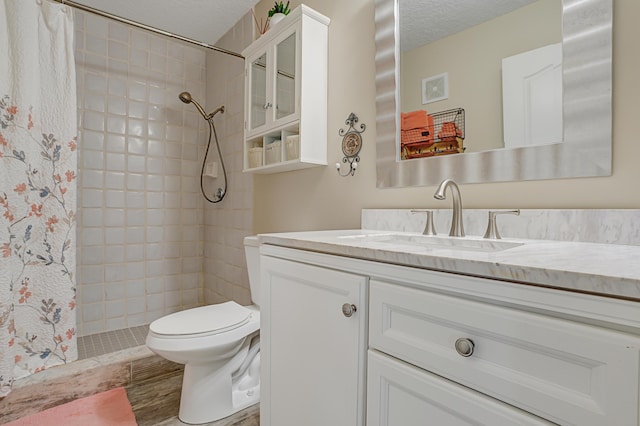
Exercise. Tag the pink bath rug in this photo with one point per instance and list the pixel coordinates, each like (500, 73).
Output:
(110, 408)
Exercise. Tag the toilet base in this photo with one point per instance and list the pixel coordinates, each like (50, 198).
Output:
(217, 390)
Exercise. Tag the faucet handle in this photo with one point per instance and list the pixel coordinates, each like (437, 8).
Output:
(429, 228)
(492, 227)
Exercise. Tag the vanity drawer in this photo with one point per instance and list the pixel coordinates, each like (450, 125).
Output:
(557, 369)
(399, 394)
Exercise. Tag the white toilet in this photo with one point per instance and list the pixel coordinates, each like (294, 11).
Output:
(220, 347)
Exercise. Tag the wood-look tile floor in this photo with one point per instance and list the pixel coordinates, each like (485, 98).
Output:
(248, 417)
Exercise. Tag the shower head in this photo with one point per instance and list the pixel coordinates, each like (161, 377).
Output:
(187, 99)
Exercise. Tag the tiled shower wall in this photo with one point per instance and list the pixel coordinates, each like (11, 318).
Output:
(227, 223)
(140, 219)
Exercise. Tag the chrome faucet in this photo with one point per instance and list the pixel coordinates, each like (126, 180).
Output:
(457, 228)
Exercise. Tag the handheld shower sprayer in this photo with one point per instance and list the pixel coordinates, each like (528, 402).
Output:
(187, 99)
(222, 191)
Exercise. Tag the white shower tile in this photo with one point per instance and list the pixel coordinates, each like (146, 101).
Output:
(95, 83)
(155, 217)
(113, 218)
(115, 199)
(93, 121)
(140, 40)
(135, 305)
(93, 159)
(139, 57)
(155, 301)
(155, 148)
(116, 124)
(114, 236)
(134, 270)
(92, 256)
(93, 312)
(92, 237)
(156, 130)
(117, 86)
(135, 217)
(173, 299)
(95, 44)
(154, 183)
(94, 102)
(156, 113)
(137, 146)
(137, 127)
(118, 32)
(92, 275)
(137, 91)
(115, 162)
(114, 180)
(91, 217)
(153, 252)
(154, 234)
(135, 235)
(92, 198)
(115, 143)
(114, 309)
(118, 50)
(114, 254)
(171, 251)
(158, 45)
(117, 105)
(136, 164)
(115, 291)
(114, 273)
(135, 181)
(135, 200)
(135, 253)
(135, 288)
(155, 200)
(154, 268)
(137, 109)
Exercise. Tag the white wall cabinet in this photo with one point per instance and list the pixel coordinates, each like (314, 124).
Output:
(312, 354)
(442, 348)
(286, 95)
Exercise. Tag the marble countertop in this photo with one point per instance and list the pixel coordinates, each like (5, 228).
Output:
(606, 269)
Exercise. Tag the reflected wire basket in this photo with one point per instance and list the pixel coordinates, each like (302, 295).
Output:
(444, 135)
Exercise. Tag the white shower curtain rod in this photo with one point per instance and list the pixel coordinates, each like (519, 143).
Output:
(146, 27)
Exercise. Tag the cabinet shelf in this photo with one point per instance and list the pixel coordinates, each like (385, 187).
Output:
(285, 130)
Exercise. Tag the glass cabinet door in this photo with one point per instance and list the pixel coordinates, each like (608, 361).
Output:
(258, 92)
(285, 79)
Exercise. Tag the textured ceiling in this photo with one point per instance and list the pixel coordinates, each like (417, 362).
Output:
(202, 20)
(424, 21)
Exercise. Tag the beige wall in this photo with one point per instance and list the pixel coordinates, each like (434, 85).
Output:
(318, 198)
(475, 76)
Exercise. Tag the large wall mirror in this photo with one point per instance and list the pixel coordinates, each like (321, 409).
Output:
(580, 148)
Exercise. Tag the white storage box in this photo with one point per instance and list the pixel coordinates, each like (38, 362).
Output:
(292, 147)
(273, 153)
(255, 157)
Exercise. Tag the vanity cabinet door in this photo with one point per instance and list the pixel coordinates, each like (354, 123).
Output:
(567, 372)
(399, 394)
(313, 345)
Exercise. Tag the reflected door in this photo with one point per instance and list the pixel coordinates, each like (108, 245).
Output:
(532, 97)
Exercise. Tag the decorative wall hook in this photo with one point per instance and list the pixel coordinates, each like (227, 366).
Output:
(351, 145)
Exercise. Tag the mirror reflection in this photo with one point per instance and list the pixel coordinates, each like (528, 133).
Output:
(505, 73)
(258, 91)
(285, 77)
(585, 147)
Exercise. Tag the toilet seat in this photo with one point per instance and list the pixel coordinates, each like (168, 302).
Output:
(202, 321)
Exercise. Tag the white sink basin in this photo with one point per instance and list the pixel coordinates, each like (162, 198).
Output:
(435, 242)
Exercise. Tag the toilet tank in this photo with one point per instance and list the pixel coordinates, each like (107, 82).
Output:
(252, 255)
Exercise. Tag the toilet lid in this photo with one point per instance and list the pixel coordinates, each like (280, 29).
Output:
(210, 319)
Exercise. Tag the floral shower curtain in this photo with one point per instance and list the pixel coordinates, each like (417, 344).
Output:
(38, 165)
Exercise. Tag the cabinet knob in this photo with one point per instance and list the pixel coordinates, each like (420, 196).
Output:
(348, 309)
(464, 347)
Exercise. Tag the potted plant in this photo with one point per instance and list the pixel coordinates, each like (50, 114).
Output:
(278, 12)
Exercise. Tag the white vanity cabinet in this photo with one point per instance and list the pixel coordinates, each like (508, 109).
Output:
(286, 95)
(443, 348)
(313, 345)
